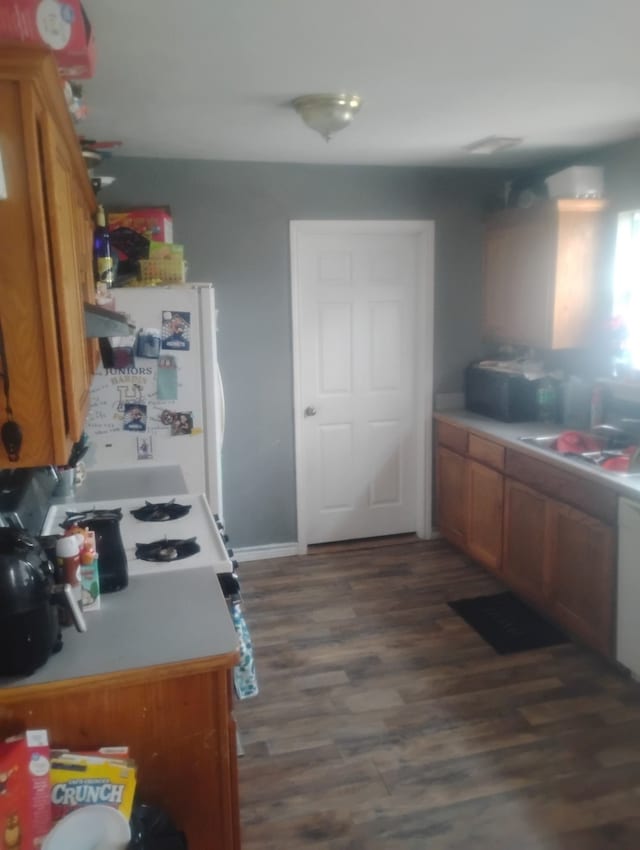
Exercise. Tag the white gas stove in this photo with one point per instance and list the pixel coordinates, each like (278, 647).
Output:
(197, 523)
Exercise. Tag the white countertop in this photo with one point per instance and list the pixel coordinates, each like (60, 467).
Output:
(510, 432)
(158, 619)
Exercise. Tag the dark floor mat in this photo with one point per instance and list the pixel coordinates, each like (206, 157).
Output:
(507, 624)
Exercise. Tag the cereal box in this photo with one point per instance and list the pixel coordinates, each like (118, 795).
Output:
(153, 222)
(83, 780)
(25, 808)
(61, 25)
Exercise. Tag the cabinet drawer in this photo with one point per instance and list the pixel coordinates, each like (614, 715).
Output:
(486, 451)
(453, 437)
(591, 497)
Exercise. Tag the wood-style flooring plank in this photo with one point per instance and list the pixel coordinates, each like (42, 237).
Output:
(384, 722)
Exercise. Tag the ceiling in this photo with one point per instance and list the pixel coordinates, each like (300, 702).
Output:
(213, 79)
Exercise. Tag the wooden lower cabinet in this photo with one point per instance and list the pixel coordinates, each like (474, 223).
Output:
(582, 574)
(451, 495)
(525, 550)
(559, 558)
(178, 724)
(485, 488)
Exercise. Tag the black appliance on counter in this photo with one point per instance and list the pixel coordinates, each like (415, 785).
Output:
(25, 495)
(29, 626)
(500, 394)
(112, 558)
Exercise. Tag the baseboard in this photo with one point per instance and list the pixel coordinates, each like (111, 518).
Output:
(261, 553)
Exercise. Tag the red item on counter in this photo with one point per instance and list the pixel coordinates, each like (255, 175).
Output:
(61, 25)
(617, 464)
(577, 442)
(25, 791)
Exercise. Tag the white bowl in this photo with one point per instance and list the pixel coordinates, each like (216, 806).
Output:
(90, 828)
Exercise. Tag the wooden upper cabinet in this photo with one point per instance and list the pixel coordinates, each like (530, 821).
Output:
(45, 274)
(541, 272)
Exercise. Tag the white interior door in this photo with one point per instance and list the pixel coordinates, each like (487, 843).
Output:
(362, 331)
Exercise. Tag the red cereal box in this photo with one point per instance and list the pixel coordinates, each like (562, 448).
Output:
(25, 791)
(153, 222)
(61, 25)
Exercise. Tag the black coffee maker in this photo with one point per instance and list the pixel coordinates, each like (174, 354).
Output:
(29, 627)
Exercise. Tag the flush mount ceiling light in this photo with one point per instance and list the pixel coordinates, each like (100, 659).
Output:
(327, 113)
(492, 144)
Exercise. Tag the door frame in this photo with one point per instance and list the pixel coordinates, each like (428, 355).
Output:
(423, 354)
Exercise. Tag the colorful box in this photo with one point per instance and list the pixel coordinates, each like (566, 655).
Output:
(90, 581)
(61, 25)
(25, 792)
(153, 222)
(84, 780)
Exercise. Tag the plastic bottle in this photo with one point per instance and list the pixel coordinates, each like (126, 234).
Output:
(68, 572)
(102, 255)
(68, 563)
(597, 405)
(547, 400)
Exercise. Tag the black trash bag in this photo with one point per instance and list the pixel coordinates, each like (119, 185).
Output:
(153, 829)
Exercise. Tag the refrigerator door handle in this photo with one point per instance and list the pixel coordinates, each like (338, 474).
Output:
(223, 409)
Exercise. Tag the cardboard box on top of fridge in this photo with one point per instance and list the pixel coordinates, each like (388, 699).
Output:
(578, 181)
(155, 223)
(25, 790)
(61, 25)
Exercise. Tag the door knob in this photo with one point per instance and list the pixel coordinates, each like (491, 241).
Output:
(310, 411)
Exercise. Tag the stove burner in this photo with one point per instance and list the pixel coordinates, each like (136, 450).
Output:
(90, 515)
(167, 550)
(161, 511)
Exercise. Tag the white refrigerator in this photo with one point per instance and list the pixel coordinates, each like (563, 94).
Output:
(162, 403)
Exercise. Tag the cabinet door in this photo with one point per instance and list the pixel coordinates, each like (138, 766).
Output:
(542, 273)
(68, 295)
(84, 227)
(581, 574)
(499, 261)
(451, 495)
(484, 514)
(525, 540)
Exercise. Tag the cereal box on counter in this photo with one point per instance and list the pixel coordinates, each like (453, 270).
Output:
(25, 807)
(80, 779)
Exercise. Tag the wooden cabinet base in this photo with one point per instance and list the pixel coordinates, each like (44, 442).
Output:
(559, 556)
(178, 726)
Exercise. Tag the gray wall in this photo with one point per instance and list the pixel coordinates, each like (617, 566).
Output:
(233, 219)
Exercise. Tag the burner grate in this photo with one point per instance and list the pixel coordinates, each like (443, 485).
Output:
(161, 511)
(90, 515)
(167, 550)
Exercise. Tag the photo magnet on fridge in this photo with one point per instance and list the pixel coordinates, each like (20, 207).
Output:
(145, 447)
(135, 417)
(182, 424)
(176, 330)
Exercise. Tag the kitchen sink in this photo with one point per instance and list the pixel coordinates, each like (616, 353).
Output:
(548, 443)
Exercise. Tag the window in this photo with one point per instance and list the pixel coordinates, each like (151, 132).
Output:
(625, 318)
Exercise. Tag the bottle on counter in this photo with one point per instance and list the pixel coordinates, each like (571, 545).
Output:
(68, 571)
(103, 258)
(547, 400)
(597, 405)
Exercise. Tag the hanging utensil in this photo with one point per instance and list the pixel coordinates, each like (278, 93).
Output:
(11, 432)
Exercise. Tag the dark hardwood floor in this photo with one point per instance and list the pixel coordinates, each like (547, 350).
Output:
(384, 721)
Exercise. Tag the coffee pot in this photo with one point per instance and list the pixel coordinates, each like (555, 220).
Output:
(29, 596)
